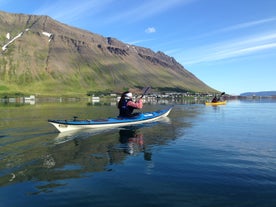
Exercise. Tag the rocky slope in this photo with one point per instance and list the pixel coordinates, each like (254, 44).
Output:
(43, 56)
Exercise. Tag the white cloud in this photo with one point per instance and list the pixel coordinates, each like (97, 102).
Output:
(231, 49)
(239, 26)
(105, 11)
(135, 42)
(71, 10)
(248, 24)
(150, 30)
(135, 12)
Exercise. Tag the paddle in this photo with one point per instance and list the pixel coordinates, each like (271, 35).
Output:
(147, 89)
(215, 99)
(221, 95)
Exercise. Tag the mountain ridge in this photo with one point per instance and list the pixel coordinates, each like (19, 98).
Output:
(41, 55)
(259, 93)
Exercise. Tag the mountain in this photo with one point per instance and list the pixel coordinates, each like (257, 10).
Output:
(42, 56)
(260, 93)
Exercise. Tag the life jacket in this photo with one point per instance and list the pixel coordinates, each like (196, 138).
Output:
(125, 110)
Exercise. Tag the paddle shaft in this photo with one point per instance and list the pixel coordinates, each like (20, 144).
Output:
(145, 92)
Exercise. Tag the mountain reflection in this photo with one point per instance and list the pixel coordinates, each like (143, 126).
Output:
(77, 154)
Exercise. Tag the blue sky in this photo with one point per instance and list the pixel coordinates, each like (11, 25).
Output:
(228, 44)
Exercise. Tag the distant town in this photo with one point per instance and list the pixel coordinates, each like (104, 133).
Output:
(148, 98)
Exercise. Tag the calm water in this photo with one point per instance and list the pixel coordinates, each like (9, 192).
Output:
(199, 156)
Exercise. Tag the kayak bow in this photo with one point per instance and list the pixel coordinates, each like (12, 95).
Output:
(68, 125)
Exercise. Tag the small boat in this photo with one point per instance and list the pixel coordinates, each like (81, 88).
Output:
(68, 125)
(215, 103)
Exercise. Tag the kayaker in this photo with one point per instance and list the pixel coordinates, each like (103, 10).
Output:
(126, 105)
(215, 99)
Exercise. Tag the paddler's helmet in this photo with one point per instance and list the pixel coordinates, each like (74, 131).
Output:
(128, 95)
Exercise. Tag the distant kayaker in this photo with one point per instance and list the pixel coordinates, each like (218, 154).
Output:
(126, 105)
(215, 99)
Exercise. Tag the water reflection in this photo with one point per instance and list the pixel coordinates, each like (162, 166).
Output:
(28, 160)
(32, 151)
(221, 155)
(131, 142)
(73, 155)
(132, 139)
(83, 134)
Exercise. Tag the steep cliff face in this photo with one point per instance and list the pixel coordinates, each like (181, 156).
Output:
(41, 55)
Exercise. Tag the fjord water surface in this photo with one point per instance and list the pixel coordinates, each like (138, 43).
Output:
(199, 156)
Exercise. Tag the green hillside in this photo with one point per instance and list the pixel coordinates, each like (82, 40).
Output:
(42, 56)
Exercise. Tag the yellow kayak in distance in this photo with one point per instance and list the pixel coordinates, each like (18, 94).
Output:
(215, 103)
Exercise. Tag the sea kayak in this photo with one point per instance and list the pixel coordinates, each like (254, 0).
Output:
(68, 125)
(215, 103)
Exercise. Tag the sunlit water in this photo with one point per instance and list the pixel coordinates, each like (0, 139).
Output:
(199, 156)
